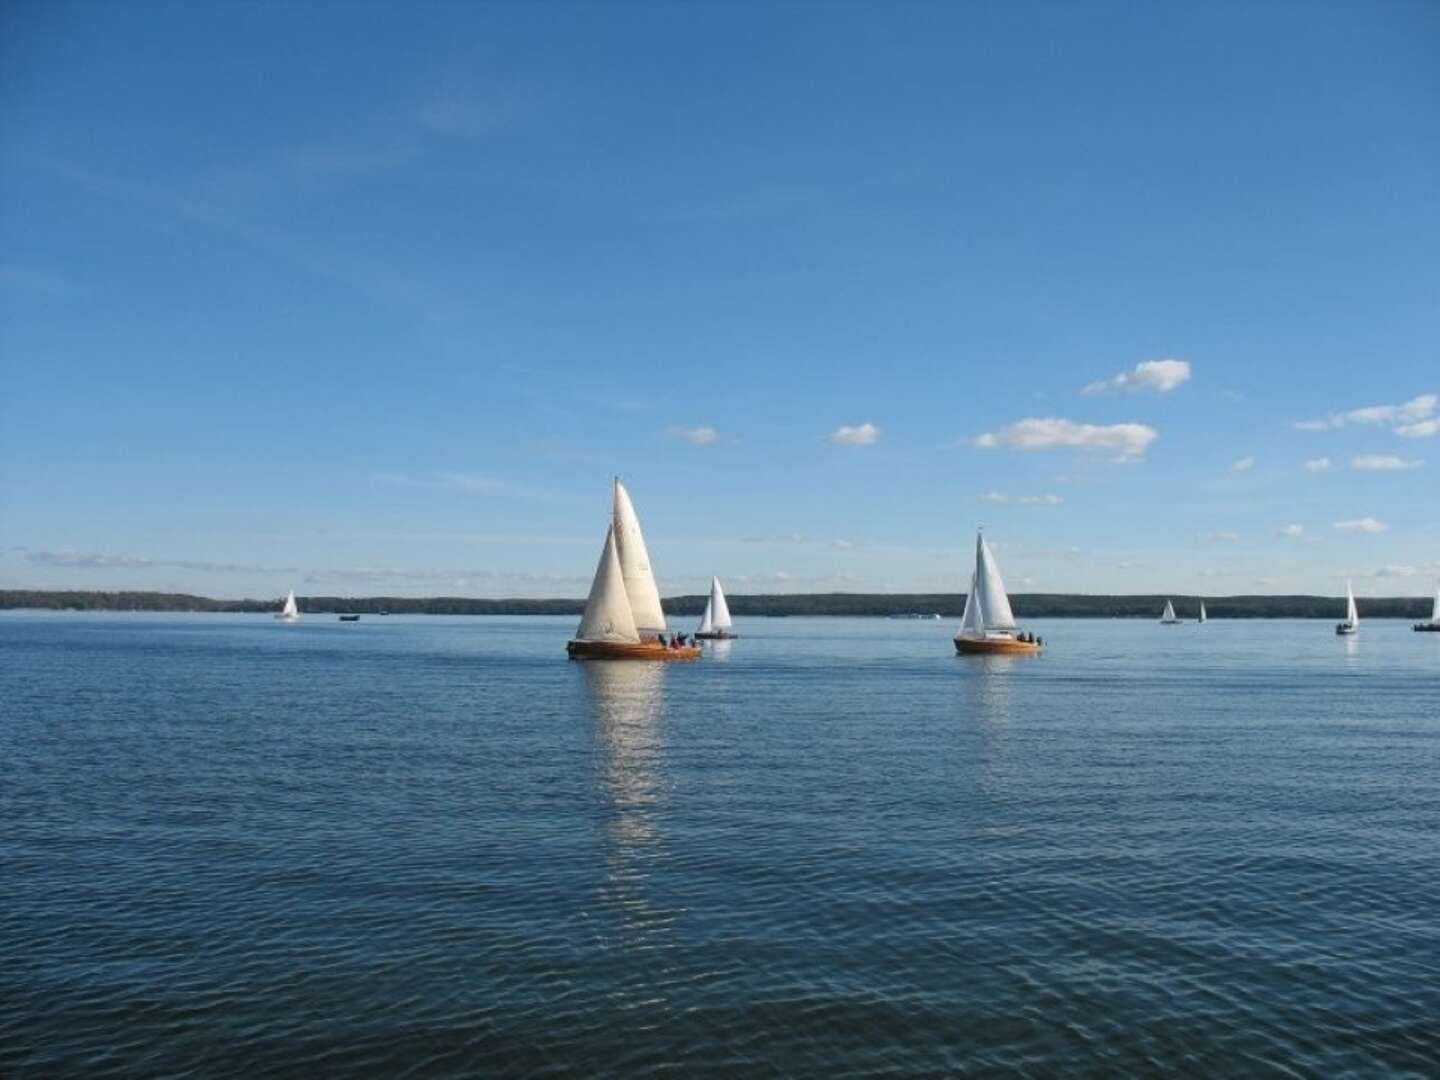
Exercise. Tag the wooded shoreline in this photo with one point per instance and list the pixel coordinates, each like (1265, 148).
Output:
(946, 605)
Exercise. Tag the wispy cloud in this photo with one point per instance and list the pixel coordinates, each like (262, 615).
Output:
(1382, 463)
(464, 482)
(1365, 524)
(866, 434)
(1128, 441)
(840, 544)
(1291, 532)
(90, 560)
(1244, 464)
(695, 436)
(1032, 500)
(1224, 535)
(1395, 571)
(1409, 419)
(1319, 464)
(1161, 376)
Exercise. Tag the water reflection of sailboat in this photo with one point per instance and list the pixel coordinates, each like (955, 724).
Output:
(628, 705)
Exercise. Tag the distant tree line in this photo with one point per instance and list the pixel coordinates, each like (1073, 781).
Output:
(947, 605)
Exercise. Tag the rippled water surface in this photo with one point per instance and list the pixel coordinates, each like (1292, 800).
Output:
(424, 847)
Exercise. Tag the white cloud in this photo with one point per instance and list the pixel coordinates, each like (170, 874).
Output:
(1412, 415)
(469, 483)
(1129, 441)
(1365, 524)
(1292, 532)
(1224, 534)
(1162, 376)
(1396, 571)
(1421, 429)
(696, 436)
(842, 545)
(1382, 463)
(1031, 500)
(854, 435)
(1319, 464)
(1245, 464)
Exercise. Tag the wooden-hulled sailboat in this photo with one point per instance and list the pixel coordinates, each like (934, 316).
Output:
(1202, 612)
(1167, 617)
(291, 611)
(715, 623)
(623, 619)
(1434, 623)
(1351, 623)
(988, 625)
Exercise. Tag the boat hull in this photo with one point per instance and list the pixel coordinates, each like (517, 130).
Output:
(719, 635)
(976, 646)
(1426, 628)
(1346, 631)
(645, 650)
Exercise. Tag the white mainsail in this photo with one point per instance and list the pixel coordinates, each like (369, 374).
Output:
(994, 603)
(1435, 611)
(1202, 611)
(635, 570)
(1352, 613)
(717, 607)
(1168, 615)
(291, 610)
(607, 612)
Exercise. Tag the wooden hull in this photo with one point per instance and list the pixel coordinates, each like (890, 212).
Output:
(720, 636)
(1008, 646)
(645, 650)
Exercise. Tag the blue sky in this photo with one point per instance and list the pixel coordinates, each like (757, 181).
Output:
(369, 299)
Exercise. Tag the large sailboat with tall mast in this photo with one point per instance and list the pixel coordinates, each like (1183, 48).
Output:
(623, 619)
(715, 623)
(988, 625)
(1434, 623)
(1351, 623)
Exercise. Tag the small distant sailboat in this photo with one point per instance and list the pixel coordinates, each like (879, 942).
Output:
(1434, 624)
(291, 611)
(1167, 617)
(1351, 622)
(988, 625)
(623, 619)
(715, 623)
(1202, 612)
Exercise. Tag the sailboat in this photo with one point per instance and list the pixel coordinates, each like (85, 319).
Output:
(1434, 623)
(715, 623)
(1351, 623)
(988, 625)
(1168, 617)
(291, 611)
(623, 619)
(1202, 612)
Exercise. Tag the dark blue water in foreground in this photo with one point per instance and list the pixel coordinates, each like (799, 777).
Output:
(416, 847)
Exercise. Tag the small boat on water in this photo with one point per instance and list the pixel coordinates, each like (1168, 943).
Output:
(1202, 612)
(988, 625)
(1351, 623)
(291, 611)
(1433, 625)
(349, 618)
(715, 623)
(623, 619)
(1168, 617)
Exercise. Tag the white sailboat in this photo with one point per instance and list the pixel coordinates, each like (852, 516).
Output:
(1167, 617)
(1351, 622)
(291, 611)
(1202, 612)
(623, 619)
(1434, 623)
(988, 624)
(715, 623)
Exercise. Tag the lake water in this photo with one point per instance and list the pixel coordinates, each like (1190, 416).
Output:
(432, 846)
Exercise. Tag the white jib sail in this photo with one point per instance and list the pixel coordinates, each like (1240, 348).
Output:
(1202, 610)
(718, 608)
(635, 566)
(707, 621)
(1352, 613)
(607, 612)
(291, 609)
(972, 623)
(1168, 615)
(1435, 611)
(994, 603)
